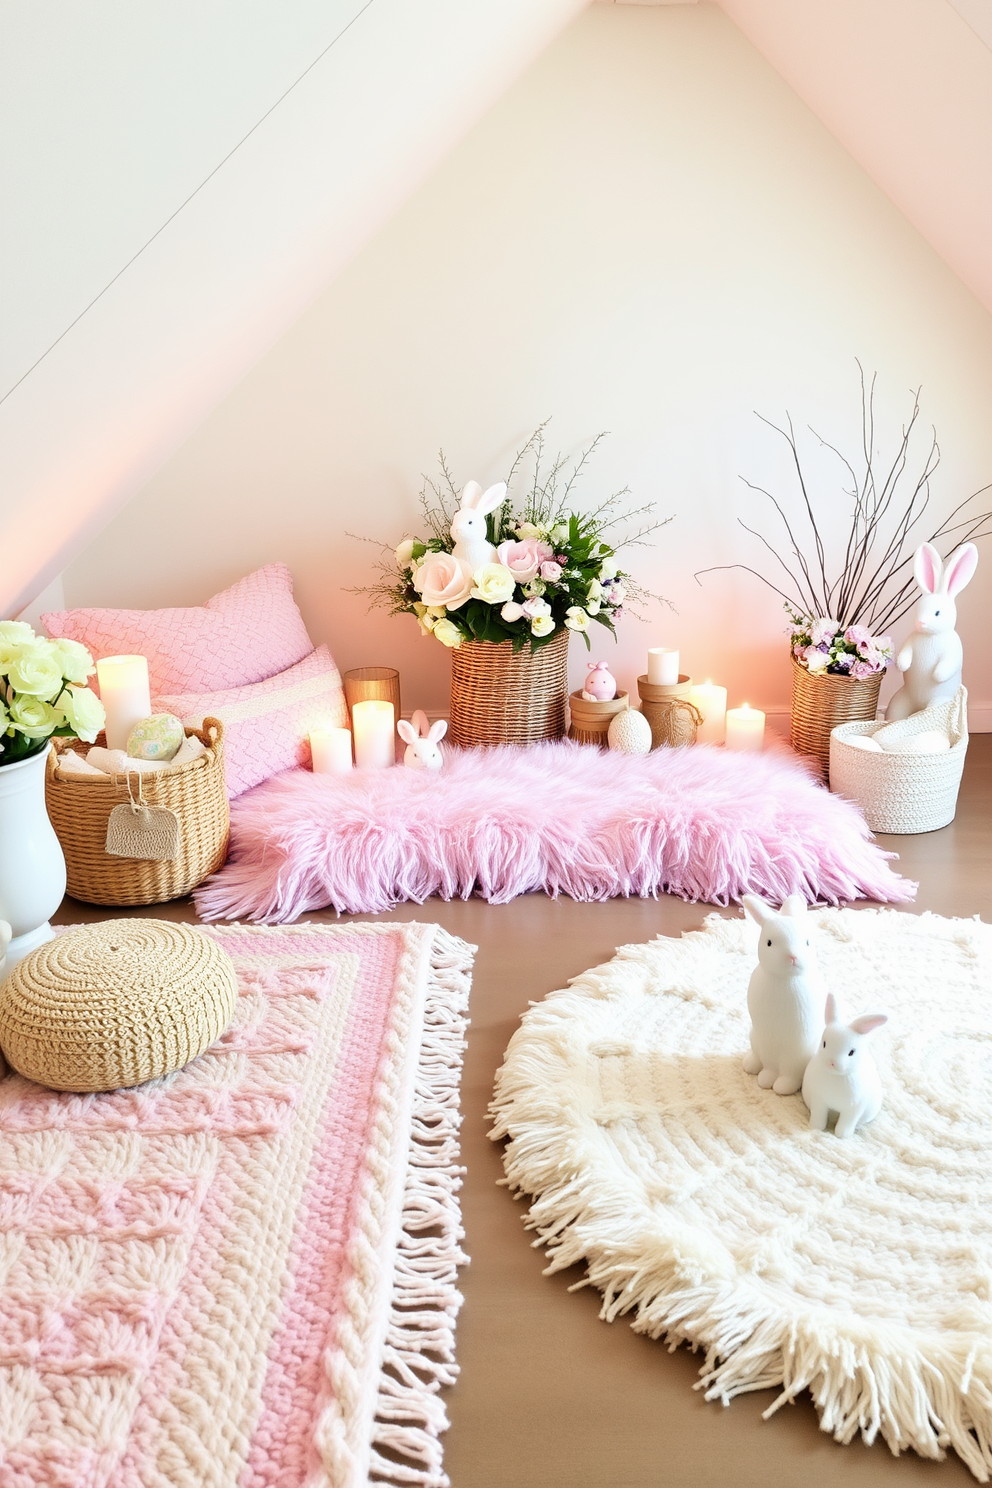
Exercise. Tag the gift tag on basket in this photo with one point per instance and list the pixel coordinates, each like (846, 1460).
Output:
(135, 830)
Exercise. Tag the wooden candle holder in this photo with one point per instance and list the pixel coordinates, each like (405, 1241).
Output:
(591, 720)
(666, 706)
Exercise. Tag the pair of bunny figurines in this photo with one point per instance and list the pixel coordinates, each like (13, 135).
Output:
(798, 1039)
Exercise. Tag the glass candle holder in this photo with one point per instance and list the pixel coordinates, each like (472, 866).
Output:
(372, 685)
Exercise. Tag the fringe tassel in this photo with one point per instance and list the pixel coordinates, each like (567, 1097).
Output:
(419, 1358)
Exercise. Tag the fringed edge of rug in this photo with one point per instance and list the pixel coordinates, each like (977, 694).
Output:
(419, 1355)
(925, 1400)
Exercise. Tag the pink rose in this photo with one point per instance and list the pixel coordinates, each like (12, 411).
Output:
(857, 635)
(442, 580)
(535, 607)
(863, 669)
(551, 571)
(523, 559)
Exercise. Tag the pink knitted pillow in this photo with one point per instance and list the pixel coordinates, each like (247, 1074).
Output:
(244, 634)
(266, 723)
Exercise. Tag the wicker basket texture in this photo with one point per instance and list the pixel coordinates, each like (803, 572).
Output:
(499, 696)
(666, 706)
(80, 806)
(820, 703)
(115, 1004)
(904, 793)
(589, 719)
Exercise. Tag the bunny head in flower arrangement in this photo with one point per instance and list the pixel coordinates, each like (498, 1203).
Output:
(931, 656)
(841, 1076)
(423, 748)
(468, 525)
(600, 685)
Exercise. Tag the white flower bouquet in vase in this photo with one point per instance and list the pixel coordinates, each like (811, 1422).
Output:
(504, 582)
(43, 693)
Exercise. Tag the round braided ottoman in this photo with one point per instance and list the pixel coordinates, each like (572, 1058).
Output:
(115, 1004)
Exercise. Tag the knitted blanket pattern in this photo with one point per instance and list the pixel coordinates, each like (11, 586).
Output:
(244, 1274)
(708, 1211)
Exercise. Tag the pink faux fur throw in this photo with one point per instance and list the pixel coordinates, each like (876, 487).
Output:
(565, 818)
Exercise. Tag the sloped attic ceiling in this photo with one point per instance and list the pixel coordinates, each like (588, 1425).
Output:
(180, 181)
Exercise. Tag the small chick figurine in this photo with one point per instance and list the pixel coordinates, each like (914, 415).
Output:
(601, 685)
(842, 1076)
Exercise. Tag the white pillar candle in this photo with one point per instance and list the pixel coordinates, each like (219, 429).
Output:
(712, 704)
(331, 751)
(125, 695)
(663, 666)
(375, 729)
(745, 728)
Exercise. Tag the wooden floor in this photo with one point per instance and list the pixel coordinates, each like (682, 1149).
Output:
(549, 1396)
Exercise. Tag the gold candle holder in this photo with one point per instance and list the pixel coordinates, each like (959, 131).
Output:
(372, 684)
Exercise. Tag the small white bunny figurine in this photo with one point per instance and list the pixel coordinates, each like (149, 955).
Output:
(931, 655)
(468, 526)
(784, 996)
(842, 1076)
(423, 751)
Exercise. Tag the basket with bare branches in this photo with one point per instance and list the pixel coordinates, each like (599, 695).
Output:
(843, 600)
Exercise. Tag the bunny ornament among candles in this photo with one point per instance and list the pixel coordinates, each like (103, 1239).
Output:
(931, 656)
(468, 525)
(422, 739)
(600, 685)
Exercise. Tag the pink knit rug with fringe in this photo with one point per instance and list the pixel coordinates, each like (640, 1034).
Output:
(702, 823)
(243, 1275)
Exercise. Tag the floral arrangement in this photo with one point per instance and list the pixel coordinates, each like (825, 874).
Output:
(43, 692)
(840, 613)
(822, 646)
(546, 567)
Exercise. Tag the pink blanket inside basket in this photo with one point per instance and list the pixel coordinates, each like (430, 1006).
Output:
(564, 818)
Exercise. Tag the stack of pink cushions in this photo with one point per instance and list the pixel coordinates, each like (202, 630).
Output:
(244, 657)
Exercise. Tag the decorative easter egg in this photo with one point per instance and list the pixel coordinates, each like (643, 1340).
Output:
(601, 685)
(156, 738)
(630, 733)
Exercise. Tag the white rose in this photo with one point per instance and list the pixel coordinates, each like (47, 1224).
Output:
(34, 669)
(74, 659)
(84, 712)
(576, 618)
(527, 529)
(512, 611)
(447, 633)
(535, 608)
(493, 583)
(34, 718)
(542, 625)
(558, 534)
(442, 581)
(404, 553)
(13, 635)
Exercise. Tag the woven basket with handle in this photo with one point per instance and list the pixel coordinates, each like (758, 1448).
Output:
(502, 696)
(80, 807)
(820, 703)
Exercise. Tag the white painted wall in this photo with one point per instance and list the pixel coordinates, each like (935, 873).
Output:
(305, 122)
(649, 234)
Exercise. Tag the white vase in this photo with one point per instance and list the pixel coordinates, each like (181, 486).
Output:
(32, 868)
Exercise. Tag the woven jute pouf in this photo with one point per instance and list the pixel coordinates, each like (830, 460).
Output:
(115, 1004)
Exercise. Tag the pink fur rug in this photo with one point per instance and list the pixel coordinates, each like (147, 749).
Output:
(701, 823)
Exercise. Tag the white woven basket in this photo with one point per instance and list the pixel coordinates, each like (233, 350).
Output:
(903, 792)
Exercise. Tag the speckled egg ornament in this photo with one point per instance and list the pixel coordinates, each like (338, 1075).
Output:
(630, 733)
(156, 738)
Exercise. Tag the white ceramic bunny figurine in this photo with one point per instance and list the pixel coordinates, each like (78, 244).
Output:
(842, 1076)
(468, 526)
(423, 751)
(784, 996)
(931, 655)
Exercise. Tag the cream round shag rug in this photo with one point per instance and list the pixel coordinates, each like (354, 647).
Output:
(858, 1269)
